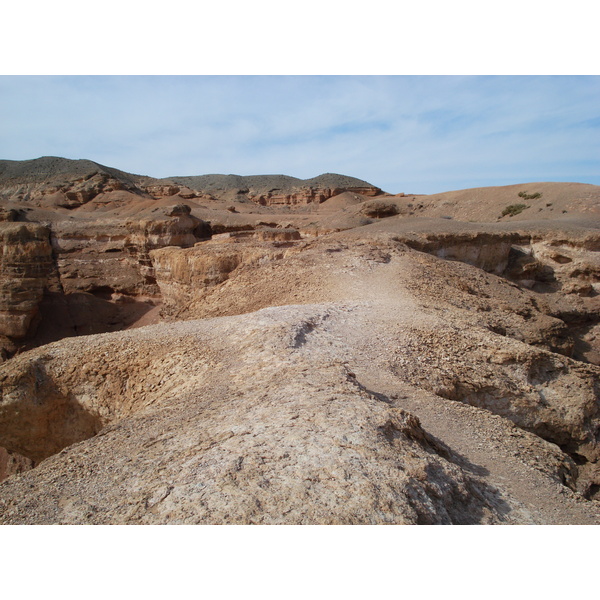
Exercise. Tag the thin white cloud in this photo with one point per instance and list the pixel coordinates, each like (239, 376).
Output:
(424, 133)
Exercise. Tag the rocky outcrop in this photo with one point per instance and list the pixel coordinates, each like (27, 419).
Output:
(11, 214)
(162, 189)
(75, 277)
(91, 256)
(487, 251)
(552, 396)
(112, 256)
(184, 276)
(563, 267)
(566, 270)
(76, 193)
(379, 209)
(59, 182)
(261, 450)
(571, 264)
(304, 195)
(25, 266)
(174, 227)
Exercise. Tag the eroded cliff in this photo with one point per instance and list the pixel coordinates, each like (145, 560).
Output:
(327, 358)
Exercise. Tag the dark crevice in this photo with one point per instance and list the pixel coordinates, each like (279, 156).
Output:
(593, 492)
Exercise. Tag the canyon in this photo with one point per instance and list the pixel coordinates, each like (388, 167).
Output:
(227, 349)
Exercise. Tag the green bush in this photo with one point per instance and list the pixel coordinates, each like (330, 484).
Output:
(514, 209)
(527, 196)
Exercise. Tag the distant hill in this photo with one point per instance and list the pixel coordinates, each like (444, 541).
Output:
(51, 168)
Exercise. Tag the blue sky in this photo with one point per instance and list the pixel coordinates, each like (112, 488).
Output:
(420, 134)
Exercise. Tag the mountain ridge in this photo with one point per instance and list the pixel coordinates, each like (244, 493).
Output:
(45, 167)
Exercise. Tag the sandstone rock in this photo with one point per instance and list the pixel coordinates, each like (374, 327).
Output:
(92, 255)
(11, 214)
(159, 191)
(157, 232)
(310, 195)
(179, 210)
(486, 251)
(552, 396)
(185, 276)
(25, 265)
(379, 209)
(78, 269)
(58, 182)
(113, 256)
(275, 234)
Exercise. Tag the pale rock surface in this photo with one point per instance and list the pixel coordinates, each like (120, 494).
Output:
(232, 444)
(292, 414)
(348, 356)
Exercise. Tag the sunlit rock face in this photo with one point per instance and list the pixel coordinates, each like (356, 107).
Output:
(25, 266)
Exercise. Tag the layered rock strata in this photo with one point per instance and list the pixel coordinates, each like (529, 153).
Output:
(89, 275)
(25, 266)
(58, 182)
(278, 190)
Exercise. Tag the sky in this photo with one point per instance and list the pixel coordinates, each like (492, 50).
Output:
(413, 134)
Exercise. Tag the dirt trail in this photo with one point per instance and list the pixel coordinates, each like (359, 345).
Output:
(373, 334)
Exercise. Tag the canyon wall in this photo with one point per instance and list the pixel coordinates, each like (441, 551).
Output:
(86, 276)
(25, 267)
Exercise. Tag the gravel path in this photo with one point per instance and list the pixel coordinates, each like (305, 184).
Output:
(487, 445)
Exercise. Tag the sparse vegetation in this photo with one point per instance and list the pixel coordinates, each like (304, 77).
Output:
(527, 196)
(514, 209)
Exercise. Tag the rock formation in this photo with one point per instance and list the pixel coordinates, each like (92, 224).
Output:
(25, 266)
(102, 224)
(278, 351)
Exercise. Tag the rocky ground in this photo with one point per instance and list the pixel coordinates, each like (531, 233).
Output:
(219, 355)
